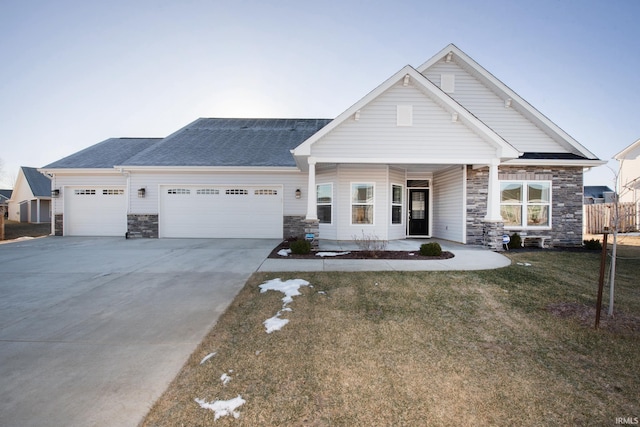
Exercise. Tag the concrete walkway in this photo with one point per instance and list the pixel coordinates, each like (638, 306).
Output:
(465, 258)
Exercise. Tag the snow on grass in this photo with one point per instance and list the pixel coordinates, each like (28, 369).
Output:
(225, 378)
(207, 357)
(290, 288)
(324, 254)
(284, 252)
(223, 408)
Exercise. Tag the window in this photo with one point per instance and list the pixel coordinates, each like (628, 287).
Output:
(85, 192)
(396, 204)
(178, 191)
(112, 192)
(208, 191)
(525, 203)
(324, 201)
(362, 203)
(265, 192)
(237, 191)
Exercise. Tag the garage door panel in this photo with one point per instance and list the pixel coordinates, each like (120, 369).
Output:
(95, 211)
(225, 212)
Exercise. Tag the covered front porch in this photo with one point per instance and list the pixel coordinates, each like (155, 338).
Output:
(455, 202)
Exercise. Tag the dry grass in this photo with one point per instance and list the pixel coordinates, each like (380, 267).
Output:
(434, 348)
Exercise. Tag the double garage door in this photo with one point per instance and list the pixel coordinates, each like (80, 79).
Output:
(212, 211)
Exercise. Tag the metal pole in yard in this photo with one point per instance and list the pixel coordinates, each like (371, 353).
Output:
(603, 259)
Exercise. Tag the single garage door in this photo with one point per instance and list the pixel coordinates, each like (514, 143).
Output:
(95, 211)
(232, 211)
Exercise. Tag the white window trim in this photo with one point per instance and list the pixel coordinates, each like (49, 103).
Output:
(525, 203)
(326, 204)
(373, 203)
(392, 204)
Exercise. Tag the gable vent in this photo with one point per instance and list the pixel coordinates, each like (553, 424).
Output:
(405, 115)
(448, 82)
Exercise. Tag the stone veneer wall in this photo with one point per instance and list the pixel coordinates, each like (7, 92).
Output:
(566, 199)
(58, 225)
(298, 226)
(143, 225)
(477, 183)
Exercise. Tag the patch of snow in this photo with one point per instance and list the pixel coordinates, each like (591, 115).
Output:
(526, 264)
(207, 357)
(223, 408)
(284, 252)
(290, 288)
(225, 378)
(322, 292)
(275, 323)
(324, 254)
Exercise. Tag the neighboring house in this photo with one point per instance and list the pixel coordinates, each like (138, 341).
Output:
(5, 195)
(443, 150)
(31, 197)
(597, 194)
(629, 176)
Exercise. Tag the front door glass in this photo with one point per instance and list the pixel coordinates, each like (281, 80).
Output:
(418, 212)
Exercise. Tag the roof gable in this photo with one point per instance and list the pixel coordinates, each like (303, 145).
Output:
(435, 94)
(629, 153)
(512, 104)
(40, 184)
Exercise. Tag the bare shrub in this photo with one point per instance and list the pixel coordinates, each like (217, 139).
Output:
(370, 244)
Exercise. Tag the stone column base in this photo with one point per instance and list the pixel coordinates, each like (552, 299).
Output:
(142, 225)
(312, 227)
(492, 232)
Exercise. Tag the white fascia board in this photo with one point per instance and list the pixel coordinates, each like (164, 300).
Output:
(244, 169)
(79, 171)
(505, 149)
(508, 93)
(587, 163)
(402, 161)
(629, 153)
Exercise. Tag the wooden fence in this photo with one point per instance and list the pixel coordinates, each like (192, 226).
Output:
(601, 215)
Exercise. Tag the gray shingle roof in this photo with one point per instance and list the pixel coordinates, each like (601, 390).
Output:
(40, 184)
(230, 142)
(105, 154)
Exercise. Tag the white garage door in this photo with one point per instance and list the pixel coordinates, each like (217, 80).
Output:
(236, 211)
(95, 211)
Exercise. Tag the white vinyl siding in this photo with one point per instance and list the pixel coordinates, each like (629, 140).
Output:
(515, 128)
(290, 182)
(432, 137)
(449, 204)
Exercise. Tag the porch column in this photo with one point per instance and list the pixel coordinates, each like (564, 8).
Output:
(312, 209)
(493, 194)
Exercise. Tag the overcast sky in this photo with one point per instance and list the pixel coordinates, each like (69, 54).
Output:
(74, 73)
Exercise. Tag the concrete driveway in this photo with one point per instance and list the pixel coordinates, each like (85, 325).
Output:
(92, 330)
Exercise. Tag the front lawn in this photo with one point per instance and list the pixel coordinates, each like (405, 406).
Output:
(513, 346)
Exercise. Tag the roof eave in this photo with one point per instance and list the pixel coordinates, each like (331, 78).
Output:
(587, 163)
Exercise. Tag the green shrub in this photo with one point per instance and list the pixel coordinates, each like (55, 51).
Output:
(515, 242)
(300, 247)
(592, 245)
(430, 249)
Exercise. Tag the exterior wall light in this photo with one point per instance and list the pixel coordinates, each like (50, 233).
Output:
(298, 193)
(141, 192)
(55, 193)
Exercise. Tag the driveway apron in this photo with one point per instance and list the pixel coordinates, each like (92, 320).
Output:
(92, 330)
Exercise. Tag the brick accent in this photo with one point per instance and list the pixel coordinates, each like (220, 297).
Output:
(477, 184)
(566, 199)
(294, 226)
(143, 225)
(58, 225)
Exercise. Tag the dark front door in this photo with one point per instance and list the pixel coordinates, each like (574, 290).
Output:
(418, 212)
